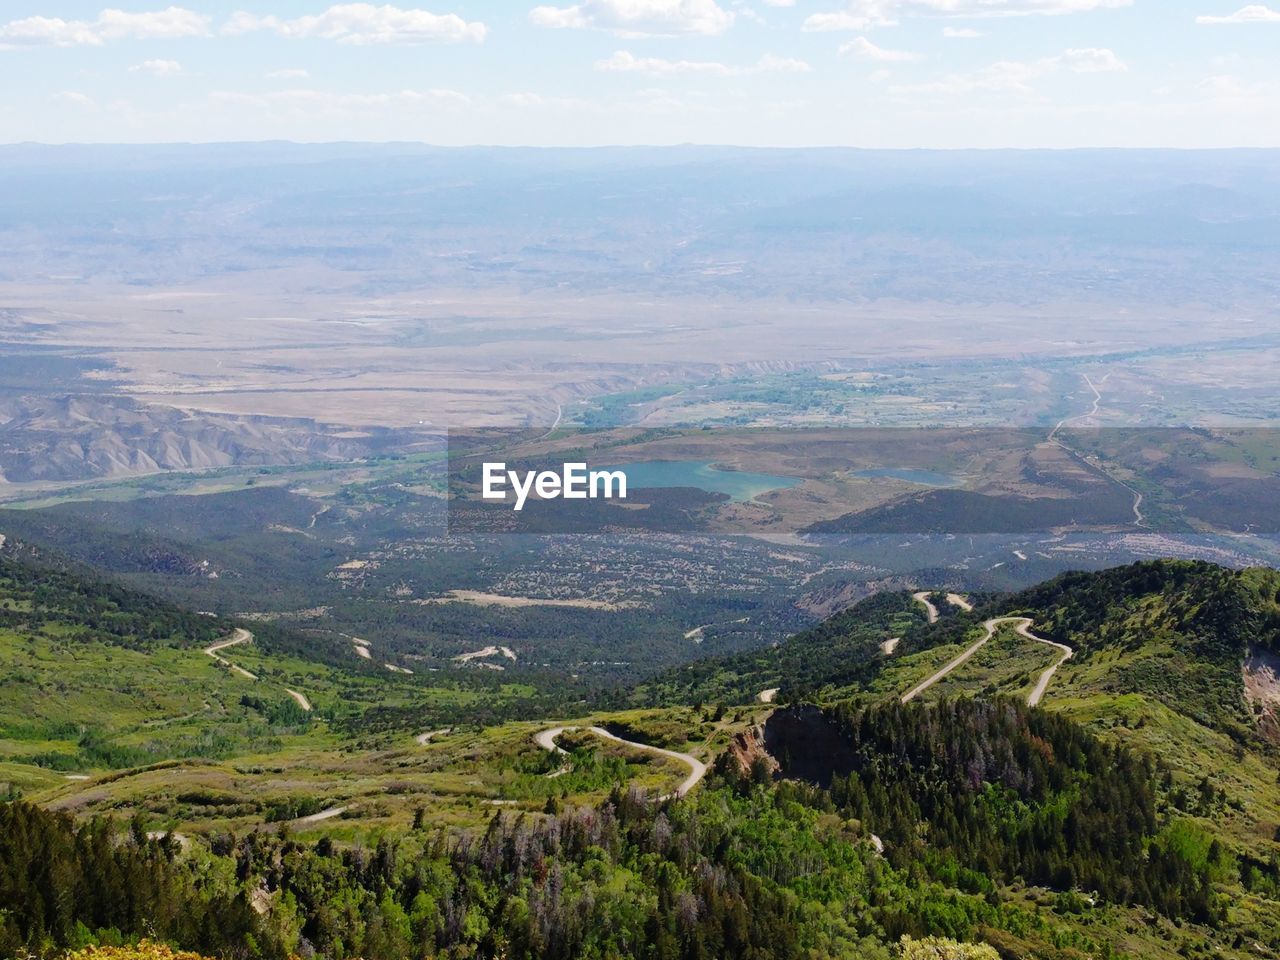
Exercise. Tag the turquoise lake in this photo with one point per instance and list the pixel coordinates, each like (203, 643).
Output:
(926, 478)
(737, 484)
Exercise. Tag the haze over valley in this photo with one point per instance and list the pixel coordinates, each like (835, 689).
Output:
(941, 618)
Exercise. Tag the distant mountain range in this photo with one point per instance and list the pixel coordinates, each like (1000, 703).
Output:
(70, 437)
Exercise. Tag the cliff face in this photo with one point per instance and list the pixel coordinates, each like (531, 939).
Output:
(748, 749)
(1262, 692)
(806, 745)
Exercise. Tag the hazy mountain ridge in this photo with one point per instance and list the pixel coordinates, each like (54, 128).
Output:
(812, 224)
(74, 437)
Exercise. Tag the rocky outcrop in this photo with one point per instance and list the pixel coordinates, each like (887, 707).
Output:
(747, 752)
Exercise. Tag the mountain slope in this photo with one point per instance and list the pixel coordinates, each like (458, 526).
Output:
(1174, 658)
(978, 819)
(844, 649)
(1176, 631)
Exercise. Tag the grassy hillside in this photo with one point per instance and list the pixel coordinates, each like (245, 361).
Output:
(844, 650)
(907, 844)
(1136, 815)
(1162, 655)
(1175, 632)
(109, 698)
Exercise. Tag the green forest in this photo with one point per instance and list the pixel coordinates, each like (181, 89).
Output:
(843, 824)
(741, 869)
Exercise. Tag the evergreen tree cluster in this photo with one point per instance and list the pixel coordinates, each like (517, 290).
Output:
(33, 597)
(64, 884)
(977, 791)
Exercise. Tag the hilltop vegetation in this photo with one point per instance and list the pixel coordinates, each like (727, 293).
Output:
(1003, 792)
(742, 868)
(842, 651)
(1176, 631)
(45, 599)
(98, 677)
(1136, 816)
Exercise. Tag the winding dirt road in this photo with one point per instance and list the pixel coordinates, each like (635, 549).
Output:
(929, 608)
(241, 635)
(554, 424)
(1022, 626)
(1024, 629)
(989, 626)
(546, 739)
(323, 815)
(299, 699)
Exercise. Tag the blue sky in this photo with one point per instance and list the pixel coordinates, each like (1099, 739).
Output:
(868, 73)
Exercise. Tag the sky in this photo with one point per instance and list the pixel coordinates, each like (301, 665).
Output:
(771, 73)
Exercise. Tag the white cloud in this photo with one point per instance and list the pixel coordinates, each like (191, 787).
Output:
(779, 3)
(626, 62)
(75, 97)
(1016, 76)
(325, 101)
(772, 64)
(364, 24)
(157, 68)
(167, 24)
(1254, 13)
(862, 47)
(639, 18)
(1014, 8)
(1093, 60)
(170, 23)
(435, 97)
(961, 33)
(49, 31)
(536, 101)
(1227, 87)
(863, 14)
(288, 73)
(1007, 76)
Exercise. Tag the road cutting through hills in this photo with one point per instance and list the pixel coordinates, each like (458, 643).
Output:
(1024, 629)
(1139, 518)
(546, 739)
(241, 635)
(322, 815)
(1022, 626)
(923, 598)
(299, 699)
